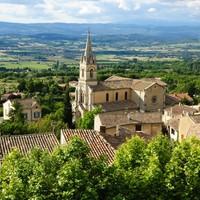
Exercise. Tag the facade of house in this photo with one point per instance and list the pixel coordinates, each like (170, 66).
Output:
(115, 93)
(122, 123)
(172, 116)
(30, 108)
(189, 126)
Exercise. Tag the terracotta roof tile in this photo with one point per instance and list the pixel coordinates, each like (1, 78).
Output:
(27, 142)
(113, 119)
(195, 118)
(117, 82)
(98, 145)
(180, 109)
(118, 105)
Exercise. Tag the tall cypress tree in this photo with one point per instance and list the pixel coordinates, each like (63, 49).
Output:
(67, 110)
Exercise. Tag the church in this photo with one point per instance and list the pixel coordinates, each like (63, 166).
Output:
(115, 93)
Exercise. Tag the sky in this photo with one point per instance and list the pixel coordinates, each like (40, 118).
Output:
(101, 11)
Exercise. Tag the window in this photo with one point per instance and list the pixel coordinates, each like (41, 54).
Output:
(82, 72)
(154, 99)
(91, 73)
(36, 114)
(82, 97)
(172, 131)
(107, 97)
(126, 95)
(138, 127)
(25, 115)
(116, 96)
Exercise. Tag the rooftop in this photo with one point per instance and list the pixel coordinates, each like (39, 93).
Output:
(98, 145)
(180, 109)
(124, 134)
(118, 105)
(113, 119)
(195, 118)
(117, 82)
(27, 142)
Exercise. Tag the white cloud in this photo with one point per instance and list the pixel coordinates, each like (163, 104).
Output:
(83, 11)
(151, 10)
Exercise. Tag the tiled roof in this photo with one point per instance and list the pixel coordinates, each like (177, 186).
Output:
(170, 100)
(141, 85)
(116, 141)
(180, 109)
(195, 118)
(113, 119)
(194, 131)
(181, 96)
(27, 103)
(118, 105)
(117, 82)
(174, 123)
(146, 117)
(98, 145)
(27, 142)
(117, 78)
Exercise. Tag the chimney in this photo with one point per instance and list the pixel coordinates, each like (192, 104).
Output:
(117, 130)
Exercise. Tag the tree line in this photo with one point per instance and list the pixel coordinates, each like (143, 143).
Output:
(159, 169)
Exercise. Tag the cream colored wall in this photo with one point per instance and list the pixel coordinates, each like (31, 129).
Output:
(100, 96)
(157, 91)
(151, 129)
(136, 96)
(7, 107)
(184, 125)
(97, 123)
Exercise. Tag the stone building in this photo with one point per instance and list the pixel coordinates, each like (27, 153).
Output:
(30, 108)
(115, 93)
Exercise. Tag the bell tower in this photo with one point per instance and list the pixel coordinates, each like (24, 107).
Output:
(88, 66)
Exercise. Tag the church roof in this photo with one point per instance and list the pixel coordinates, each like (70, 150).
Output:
(117, 82)
(118, 105)
(117, 78)
(115, 119)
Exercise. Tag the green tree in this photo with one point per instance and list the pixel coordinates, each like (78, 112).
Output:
(87, 121)
(67, 109)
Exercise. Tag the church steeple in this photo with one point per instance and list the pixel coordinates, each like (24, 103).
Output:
(88, 55)
(88, 66)
(88, 48)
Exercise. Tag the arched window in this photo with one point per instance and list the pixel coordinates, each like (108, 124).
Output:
(91, 73)
(116, 96)
(107, 97)
(126, 96)
(82, 72)
(82, 97)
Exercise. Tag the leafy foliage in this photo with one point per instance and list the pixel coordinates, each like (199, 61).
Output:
(159, 169)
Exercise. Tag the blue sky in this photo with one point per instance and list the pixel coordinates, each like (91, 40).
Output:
(100, 11)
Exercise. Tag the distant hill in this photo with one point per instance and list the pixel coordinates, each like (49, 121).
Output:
(61, 30)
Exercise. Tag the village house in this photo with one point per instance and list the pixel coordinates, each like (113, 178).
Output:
(115, 93)
(121, 123)
(97, 144)
(25, 143)
(189, 126)
(172, 116)
(30, 108)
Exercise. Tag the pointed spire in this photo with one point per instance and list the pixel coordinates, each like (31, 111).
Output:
(88, 48)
